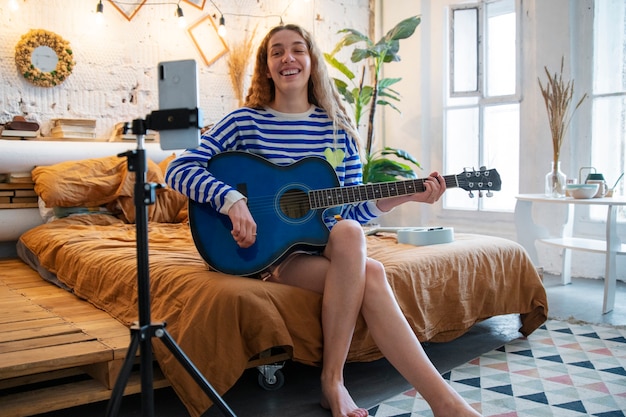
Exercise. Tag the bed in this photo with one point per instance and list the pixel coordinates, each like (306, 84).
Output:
(224, 322)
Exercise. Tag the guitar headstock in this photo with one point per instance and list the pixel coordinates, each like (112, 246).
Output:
(479, 180)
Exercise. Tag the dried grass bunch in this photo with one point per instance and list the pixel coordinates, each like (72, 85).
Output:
(557, 95)
(238, 59)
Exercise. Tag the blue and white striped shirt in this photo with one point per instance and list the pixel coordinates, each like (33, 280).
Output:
(281, 138)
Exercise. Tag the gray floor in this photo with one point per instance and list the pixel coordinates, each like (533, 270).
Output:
(371, 383)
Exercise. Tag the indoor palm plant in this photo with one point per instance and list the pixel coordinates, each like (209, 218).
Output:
(365, 98)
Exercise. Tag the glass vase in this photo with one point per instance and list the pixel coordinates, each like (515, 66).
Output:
(555, 181)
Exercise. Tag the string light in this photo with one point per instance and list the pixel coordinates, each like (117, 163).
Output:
(221, 30)
(222, 21)
(181, 17)
(179, 10)
(100, 12)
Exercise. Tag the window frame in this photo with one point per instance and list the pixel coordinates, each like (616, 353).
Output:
(479, 100)
(479, 50)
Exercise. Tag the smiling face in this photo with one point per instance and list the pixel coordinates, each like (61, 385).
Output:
(289, 65)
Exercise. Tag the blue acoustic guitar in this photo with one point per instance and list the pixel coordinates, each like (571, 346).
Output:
(289, 203)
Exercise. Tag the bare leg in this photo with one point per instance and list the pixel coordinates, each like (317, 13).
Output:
(396, 340)
(343, 296)
(340, 276)
(352, 283)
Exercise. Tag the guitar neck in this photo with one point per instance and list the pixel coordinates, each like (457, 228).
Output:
(331, 197)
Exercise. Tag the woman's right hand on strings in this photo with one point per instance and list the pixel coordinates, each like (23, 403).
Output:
(244, 226)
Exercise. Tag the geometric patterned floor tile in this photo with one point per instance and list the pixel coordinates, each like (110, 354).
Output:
(561, 369)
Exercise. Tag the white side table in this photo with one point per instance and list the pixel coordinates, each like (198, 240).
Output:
(528, 232)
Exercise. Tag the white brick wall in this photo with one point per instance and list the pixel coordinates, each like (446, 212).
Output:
(114, 79)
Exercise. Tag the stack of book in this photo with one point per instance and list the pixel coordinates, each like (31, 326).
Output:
(73, 128)
(18, 191)
(151, 136)
(19, 128)
(119, 135)
(19, 134)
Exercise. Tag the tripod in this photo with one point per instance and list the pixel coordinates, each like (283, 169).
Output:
(143, 331)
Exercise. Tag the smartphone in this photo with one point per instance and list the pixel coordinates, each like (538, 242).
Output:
(178, 89)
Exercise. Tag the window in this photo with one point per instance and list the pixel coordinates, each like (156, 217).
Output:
(482, 105)
(608, 143)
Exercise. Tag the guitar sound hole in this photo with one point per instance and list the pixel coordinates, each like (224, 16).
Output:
(294, 204)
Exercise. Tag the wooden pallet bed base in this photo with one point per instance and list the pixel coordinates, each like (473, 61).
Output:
(56, 350)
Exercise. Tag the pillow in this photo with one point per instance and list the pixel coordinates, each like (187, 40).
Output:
(169, 206)
(85, 183)
(164, 163)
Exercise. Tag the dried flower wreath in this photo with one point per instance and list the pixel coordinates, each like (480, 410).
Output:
(23, 57)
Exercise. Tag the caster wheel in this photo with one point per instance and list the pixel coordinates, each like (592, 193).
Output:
(272, 384)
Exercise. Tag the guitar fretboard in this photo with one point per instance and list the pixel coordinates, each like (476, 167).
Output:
(331, 197)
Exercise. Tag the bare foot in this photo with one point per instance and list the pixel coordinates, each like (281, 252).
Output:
(453, 406)
(337, 399)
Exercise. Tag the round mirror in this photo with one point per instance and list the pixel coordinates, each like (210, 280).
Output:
(44, 59)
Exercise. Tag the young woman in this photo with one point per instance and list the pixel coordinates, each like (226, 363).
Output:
(293, 111)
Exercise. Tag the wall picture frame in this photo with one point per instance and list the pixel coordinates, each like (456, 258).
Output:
(209, 43)
(198, 4)
(128, 9)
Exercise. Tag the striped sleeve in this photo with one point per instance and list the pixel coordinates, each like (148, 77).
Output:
(281, 139)
(188, 173)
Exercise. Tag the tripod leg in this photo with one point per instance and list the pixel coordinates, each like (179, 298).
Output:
(184, 360)
(147, 386)
(120, 384)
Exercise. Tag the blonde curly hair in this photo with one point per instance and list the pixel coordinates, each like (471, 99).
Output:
(321, 91)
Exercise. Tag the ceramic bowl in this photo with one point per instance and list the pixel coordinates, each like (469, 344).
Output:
(582, 190)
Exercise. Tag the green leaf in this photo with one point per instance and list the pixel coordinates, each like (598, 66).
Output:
(387, 82)
(360, 54)
(352, 36)
(341, 84)
(400, 153)
(342, 87)
(384, 170)
(367, 92)
(392, 52)
(390, 94)
(340, 66)
(386, 103)
(404, 29)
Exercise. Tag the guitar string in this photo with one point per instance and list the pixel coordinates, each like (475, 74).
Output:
(267, 203)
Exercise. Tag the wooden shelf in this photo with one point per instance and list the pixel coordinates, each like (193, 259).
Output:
(588, 245)
(54, 139)
(15, 195)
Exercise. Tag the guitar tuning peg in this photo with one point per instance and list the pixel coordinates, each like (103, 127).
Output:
(480, 194)
(471, 194)
(483, 168)
(489, 194)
